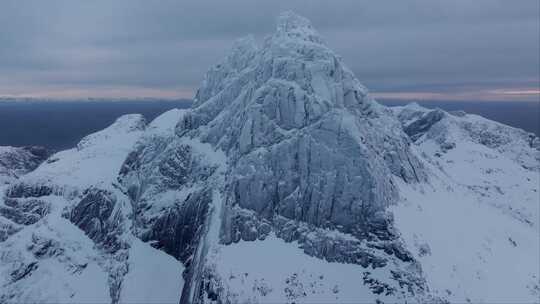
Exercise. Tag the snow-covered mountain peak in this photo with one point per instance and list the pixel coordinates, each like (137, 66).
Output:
(310, 155)
(294, 26)
(290, 93)
(242, 52)
(240, 57)
(284, 183)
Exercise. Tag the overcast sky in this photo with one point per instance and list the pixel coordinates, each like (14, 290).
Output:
(414, 49)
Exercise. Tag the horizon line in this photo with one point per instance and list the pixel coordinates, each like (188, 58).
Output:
(526, 94)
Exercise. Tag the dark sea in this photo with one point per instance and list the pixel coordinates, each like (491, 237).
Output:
(61, 124)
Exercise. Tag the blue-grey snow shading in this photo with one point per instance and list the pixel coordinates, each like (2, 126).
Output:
(285, 182)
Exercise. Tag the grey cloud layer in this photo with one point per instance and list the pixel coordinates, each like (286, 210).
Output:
(391, 45)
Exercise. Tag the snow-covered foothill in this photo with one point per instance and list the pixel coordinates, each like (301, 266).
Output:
(474, 226)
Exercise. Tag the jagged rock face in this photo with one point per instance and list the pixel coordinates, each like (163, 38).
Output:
(23, 190)
(21, 207)
(423, 124)
(165, 179)
(177, 232)
(64, 223)
(24, 212)
(15, 162)
(304, 139)
(307, 149)
(99, 217)
(171, 222)
(95, 215)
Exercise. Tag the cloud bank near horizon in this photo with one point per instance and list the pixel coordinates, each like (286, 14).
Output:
(413, 49)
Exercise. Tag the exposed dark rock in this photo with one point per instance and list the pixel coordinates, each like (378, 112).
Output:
(17, 161)
(446, 146)
(417, 128)
(376, 286)
(23, 271)
(94, 215)
(39, 153)
(43, 247)
(24, 211)
(22, 189)
(177, 230)
(176, 169)
(242, 224)
(8, 229)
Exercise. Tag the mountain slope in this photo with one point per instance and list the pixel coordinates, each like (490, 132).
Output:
(481, 205)
(285, 182)
(67, 223)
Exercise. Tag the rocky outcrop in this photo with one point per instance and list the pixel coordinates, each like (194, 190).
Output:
(447, 129)
(95, 215)
(166, 182)
(17, 161)
(49, 216)
(24, 211)
(423, 124)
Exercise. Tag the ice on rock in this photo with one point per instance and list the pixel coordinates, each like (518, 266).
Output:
(296, 27)
(307, 150)
(305, 139)
(285, 158)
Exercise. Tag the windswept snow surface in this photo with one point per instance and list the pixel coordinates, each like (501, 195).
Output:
(153, 277)
(475, 226)
(165, 123)
(273, 271)
(469, 251)
(97, 158)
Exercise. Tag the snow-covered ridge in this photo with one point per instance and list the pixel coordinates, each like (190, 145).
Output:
(482, 206)
(78, 167)
(64, 227)
(447, 129)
